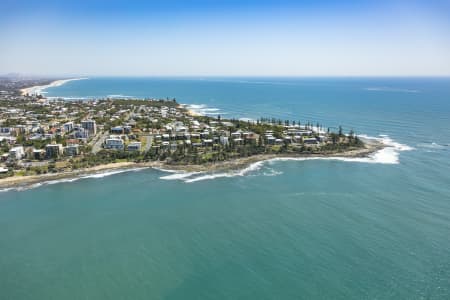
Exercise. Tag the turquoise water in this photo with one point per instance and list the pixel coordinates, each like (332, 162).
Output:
(316, 229)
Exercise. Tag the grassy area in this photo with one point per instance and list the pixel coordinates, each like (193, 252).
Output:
(61, 164)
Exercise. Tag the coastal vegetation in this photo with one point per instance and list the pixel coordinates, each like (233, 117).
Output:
(41, 136)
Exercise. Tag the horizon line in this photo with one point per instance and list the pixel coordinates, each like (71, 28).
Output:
(67, 76)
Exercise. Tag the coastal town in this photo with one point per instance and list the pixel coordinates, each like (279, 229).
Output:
(41, 136)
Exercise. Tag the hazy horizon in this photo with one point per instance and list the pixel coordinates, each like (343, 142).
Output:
(201, 77)
(226, 38)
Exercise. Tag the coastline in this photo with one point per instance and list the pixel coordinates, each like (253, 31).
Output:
(231, 165)
(38, 89)
(191, 112)
(25, 181)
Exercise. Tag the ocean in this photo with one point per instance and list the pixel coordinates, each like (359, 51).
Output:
(375, 228)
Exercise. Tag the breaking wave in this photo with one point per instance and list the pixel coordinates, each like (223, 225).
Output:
(6, 190)
(433, 147)
(69, 98)
(100, 174)
(203, 110)
(109, 173)
(251, 168)
(388, 155)
(118, 96)
(248, 120)
(179, 175)
(388, 89)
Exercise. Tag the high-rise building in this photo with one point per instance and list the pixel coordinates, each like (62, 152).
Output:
(90, 126)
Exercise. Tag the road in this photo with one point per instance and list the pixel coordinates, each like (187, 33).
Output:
(97, 143)
(148, 142)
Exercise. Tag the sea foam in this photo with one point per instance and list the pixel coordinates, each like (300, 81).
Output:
(388, 155)
(388, 89)
(253, 167)
(179, 175)
(100, 174)
(203, 110)
(118, 96)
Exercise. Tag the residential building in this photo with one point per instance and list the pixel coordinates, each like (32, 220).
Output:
(68, 127)
(134, 146)
(117, 130)
(72, 150)
(310, 141)
(5, 131)
(81, 133)
(38, 154)
(114, 142)
(90, 126)
(17, 153)
(53, 150)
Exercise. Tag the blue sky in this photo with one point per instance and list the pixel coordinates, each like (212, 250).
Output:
(226, 38)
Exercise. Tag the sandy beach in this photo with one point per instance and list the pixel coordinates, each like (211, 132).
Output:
(235, 164)
(24, 181)
(38, 89)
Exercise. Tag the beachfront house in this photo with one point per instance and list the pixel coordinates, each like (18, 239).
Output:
(134, 146)
(17, 153)
(270, 140)
(322, 138)
(38, 154)
(236, 135)
(310, 141)
(72, 150)
(53, 150)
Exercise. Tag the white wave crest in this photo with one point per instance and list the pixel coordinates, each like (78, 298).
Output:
(272, 172)
(6, 190)
(433, 146)
(109, 173)
(61, 180)
(193, 176)
(69, 98)
(179, 175)
(253, 121)
(388, 89)
(203, 110)
(388, 155)
(119, 96)
(100, 174)
(251, 168)
(166, 170)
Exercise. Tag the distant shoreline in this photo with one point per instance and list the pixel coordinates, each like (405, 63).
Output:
(235, 164)
(37, 89)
